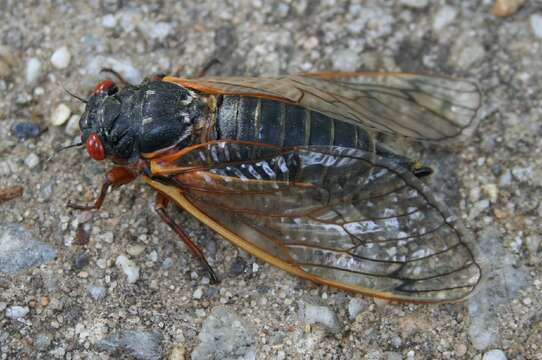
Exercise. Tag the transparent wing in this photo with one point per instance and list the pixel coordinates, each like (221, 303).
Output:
(414, 106)
(337, 216)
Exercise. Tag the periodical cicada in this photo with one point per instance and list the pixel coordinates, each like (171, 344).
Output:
(291, 170)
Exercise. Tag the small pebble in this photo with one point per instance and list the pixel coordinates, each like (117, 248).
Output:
(26, 130)
(32, 160)
(42, 341)
(396, 341)
(200, 313)
(491, 191)
(416, 4)
(60, 115)
(522, 174)
(109, 21)
(72, 127)
(33, 71)
(197, 294)
(167, 263)
(478, 208)
(81, 261)
(96, 292)
(470, 54)
(494, 355)
(461, 350)
(445, 16)
(238, 266)
(135, 250)
(536, 25)
(17, 312)
(61, 58)
(322, 315)
(506, 7)
(355, 306)
(129, 268)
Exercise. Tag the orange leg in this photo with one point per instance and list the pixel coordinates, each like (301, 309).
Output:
(115, 177)
(160, 207)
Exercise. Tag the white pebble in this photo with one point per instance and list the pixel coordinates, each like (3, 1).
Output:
(72, 128)
(536, 25)
(60, 115)
(445, 16)
(321, 314)
(61, 58)
(109, 21)
(494, 355)
(197, 294)
(128, 267)
(417, 4)
(32, 160)
(17, 312)
(33, 70)
(135, 250)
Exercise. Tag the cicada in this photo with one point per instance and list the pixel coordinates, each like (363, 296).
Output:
(291, 170)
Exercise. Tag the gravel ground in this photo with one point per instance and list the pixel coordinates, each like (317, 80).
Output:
(115, 284)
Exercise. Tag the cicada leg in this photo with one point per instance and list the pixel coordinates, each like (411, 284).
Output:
(160, 207)
(115, 177)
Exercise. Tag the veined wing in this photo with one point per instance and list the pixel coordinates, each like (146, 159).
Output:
(414, 106)
(337, 216)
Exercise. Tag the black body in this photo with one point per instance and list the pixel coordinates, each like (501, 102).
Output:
(140, 119)
(158, 115)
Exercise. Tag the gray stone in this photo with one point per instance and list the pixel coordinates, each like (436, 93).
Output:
(42, 341)
(316, 314)
(19, 250)
(143, 345)
(17, 312)
(32, 160)
(225, 336)
(355, 306)
(96, 292)
(494, 355)
(444, 16)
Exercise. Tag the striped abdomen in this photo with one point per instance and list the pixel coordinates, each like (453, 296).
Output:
(273, 122)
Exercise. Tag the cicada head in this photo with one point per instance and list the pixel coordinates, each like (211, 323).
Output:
(123, 124)
(101, 131)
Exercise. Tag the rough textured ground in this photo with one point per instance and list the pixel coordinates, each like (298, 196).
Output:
(133, 292)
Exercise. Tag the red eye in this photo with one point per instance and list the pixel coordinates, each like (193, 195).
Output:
(95, 147)
(103, 85)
